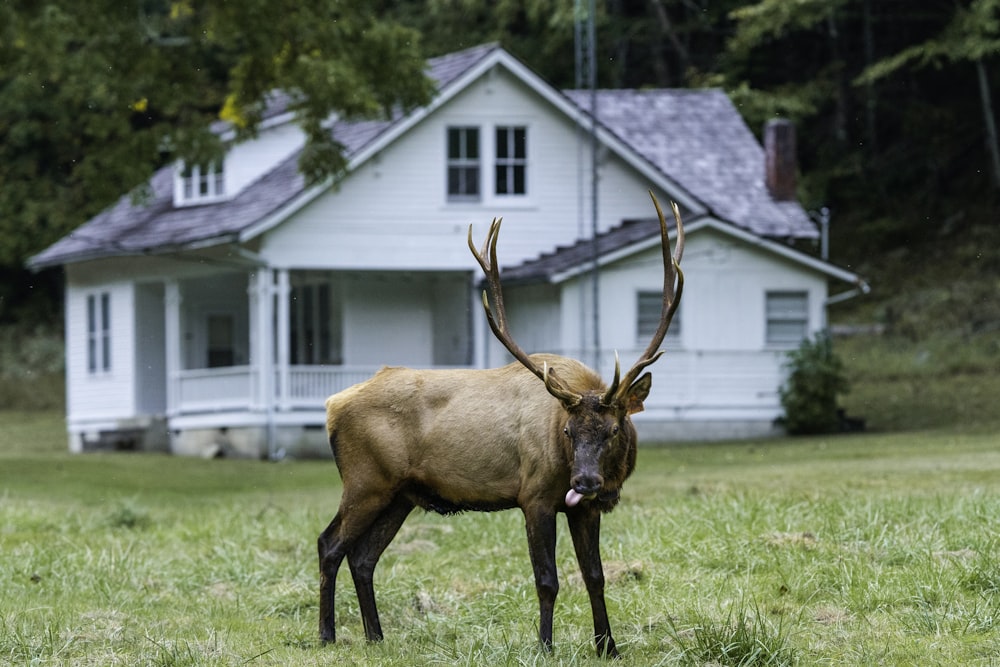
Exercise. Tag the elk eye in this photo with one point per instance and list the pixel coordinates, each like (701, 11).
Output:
(566, 430)
(614, 430)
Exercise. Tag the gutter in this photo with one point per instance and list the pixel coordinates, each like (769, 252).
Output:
(862, 288)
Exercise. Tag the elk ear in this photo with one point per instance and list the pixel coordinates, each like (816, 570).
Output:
(637, 393)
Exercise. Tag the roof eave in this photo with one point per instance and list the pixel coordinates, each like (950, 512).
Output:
(748, 237)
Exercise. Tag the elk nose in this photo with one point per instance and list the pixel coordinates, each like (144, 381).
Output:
(586, 485)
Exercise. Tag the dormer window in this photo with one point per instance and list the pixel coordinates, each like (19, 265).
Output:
(198, 183)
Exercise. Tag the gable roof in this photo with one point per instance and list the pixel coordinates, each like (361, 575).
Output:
(633, 236)
(692, 144)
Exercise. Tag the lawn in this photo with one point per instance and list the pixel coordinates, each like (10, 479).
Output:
(861, 550)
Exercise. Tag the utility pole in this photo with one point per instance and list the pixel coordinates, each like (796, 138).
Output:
(584, 34)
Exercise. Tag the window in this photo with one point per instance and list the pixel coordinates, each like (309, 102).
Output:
(313, 321)
(99, 333)
(201, 181)
(511, 160)
(649, 308)
(463, 163)
(787, 318)
(221, 341)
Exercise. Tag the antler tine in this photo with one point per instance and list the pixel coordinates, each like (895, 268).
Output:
(671, 295)
(498, 319)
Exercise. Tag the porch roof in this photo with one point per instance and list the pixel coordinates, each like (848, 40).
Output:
(633, 236)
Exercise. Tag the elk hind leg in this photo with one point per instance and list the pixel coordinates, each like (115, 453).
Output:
(364, 555)
(333, 545)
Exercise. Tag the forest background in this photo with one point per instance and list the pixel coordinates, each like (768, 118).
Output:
(893, 101)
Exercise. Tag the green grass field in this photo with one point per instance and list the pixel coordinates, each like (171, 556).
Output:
(860, 550)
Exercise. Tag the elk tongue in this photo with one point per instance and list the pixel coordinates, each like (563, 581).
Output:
(572, 498)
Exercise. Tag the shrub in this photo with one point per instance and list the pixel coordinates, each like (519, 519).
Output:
(31, 368)
(809, 395)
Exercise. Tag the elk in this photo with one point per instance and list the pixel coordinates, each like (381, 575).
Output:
(543, 434)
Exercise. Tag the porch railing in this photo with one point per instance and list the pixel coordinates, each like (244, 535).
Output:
(681, 379)
(215, 389)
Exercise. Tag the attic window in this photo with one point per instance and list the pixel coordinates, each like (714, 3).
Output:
(200, 182)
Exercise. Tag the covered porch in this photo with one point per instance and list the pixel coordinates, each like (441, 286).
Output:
(261, 350)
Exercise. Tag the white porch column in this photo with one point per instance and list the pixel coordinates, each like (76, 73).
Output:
(172, 341)
(260, 290)
(481, 334)
(284, 337)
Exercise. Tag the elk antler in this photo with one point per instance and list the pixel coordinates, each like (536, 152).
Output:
(487, 259)
(671, 299)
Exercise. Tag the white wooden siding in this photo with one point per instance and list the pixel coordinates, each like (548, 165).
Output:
(393, 213)
(387, 323)
(102, 395)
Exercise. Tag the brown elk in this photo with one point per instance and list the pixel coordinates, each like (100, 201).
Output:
(543, 434)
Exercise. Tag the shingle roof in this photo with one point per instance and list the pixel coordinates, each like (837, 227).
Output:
(699, 139)
(581, 253)
(151, 223)
(696, 138)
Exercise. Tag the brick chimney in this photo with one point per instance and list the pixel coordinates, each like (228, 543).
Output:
(779, 159)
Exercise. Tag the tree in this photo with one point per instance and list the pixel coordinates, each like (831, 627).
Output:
(971, 36)
(97, 94)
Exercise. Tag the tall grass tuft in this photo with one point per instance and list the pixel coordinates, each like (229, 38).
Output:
(744, 638)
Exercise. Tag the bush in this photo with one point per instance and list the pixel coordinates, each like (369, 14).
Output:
(809, 395)
(31, 368)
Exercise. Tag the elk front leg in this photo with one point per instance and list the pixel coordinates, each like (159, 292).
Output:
(541, 527)
(585, 528)
(365, 554)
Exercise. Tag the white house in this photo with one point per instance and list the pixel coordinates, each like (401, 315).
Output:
(216, 314)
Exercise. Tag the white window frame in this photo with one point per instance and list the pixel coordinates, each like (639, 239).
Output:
(98, 320)
(199, 183)
(511, 162)
(463, 164)
(786, 317)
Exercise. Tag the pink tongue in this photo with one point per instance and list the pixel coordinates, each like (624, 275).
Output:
(572, 498)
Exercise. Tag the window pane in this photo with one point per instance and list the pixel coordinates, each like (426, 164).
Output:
(91, 334)
(91, 315)
(472, 143)
(106, 331)
(520, 150)
(501, 177)
(649, 309)
(519, 187)
(787, 317)
(105, 311)
(502, 147)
